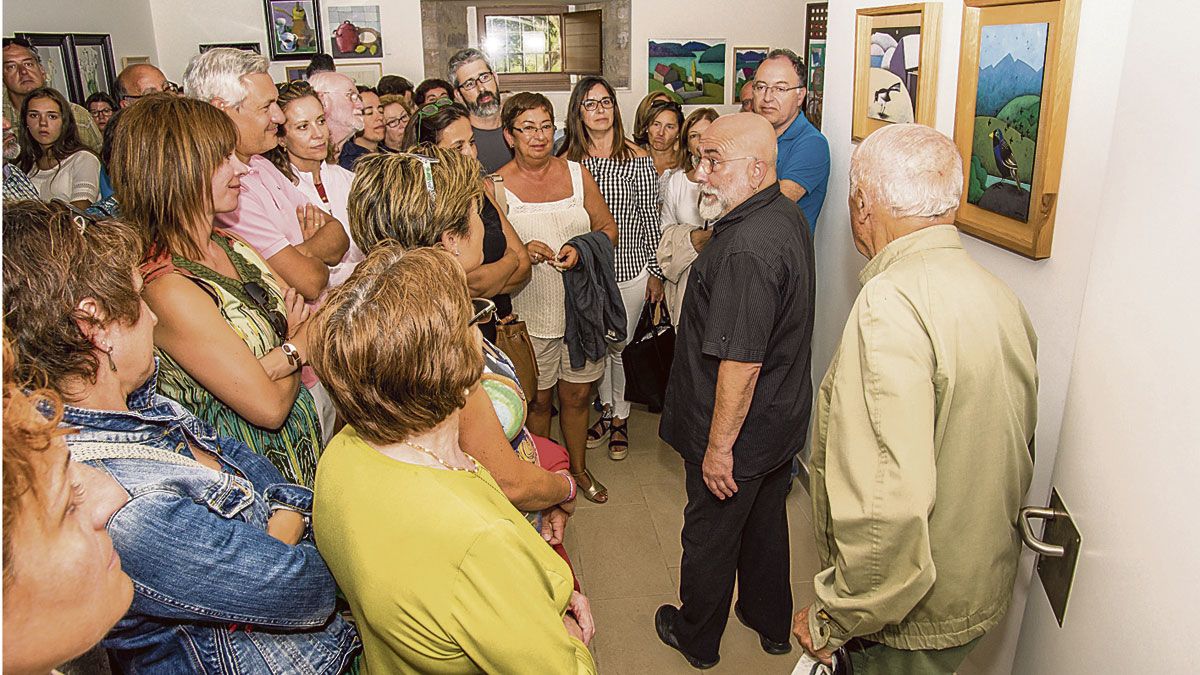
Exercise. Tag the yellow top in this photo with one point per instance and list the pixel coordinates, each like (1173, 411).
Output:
(442, 573)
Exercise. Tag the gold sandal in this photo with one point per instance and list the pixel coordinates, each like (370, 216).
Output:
(596, 492)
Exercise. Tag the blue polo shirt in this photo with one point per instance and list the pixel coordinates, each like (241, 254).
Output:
(804, 159)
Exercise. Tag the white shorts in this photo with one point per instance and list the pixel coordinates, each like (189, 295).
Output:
(554, 364)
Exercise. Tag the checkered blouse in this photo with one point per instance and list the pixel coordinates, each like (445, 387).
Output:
(630, 188)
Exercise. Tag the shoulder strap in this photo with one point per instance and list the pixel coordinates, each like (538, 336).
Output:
(88, 451)
(501, 192)
(576, 180)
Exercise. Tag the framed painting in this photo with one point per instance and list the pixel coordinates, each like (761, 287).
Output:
(745, 64)
(1014, 90)
(691, 71)
(244, 46)
(355, 32)
(296, 73)
(293, 29)
(54, 50)
(815, 22)
(127, 61)
(365, 74)
(95, 70)
(895, 66)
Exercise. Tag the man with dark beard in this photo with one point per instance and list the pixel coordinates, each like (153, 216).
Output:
(479, 90)
(739, 396)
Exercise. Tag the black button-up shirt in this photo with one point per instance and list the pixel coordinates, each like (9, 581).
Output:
(749, 299)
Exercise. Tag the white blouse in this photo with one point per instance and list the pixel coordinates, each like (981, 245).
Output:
(680, 215)
(75, 178)
(336, 182)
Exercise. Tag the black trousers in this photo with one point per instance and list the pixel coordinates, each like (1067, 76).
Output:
(743, 537)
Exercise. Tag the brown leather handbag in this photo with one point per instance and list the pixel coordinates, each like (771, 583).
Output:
(513, 339)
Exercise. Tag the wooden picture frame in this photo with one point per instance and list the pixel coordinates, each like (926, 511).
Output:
(293, 29)
(894, 48)
(58, 60)
(95, 69)
(1012, 140)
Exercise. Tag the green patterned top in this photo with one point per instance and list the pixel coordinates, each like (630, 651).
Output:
(295, 447)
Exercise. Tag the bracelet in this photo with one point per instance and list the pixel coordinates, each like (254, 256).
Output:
(292, 354)
(572, 486)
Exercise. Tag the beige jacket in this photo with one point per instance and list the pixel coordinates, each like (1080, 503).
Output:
(922, 451)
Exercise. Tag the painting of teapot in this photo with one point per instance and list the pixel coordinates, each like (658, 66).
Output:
(351, 41)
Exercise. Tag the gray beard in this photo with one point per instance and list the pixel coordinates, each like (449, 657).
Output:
(711, 211)
(12, 150)
(486, 110)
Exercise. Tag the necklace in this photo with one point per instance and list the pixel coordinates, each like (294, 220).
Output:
(439, 460)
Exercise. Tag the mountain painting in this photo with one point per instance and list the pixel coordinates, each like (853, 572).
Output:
(1008, 98)
(691, 71)
(892, 83)
(745, 64)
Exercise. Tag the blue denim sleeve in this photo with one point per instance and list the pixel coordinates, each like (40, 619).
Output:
(190, 564)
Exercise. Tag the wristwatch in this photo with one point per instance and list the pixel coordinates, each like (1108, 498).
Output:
(292, 354)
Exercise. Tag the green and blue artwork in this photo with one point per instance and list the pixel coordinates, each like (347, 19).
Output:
(1008, 101)
(691, 71)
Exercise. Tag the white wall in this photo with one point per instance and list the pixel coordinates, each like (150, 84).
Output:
(1052, 290)
(128, 21)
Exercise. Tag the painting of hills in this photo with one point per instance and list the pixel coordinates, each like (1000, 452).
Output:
(691, 71)
(1008, 98)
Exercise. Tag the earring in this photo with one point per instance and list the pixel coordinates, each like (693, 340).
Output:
(108, 352)
(456, 251)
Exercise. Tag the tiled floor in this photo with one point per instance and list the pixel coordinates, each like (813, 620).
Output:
(627, 552)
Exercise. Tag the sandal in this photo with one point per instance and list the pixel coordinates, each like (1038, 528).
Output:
(618, 447)
(595, 492)
(599, 431)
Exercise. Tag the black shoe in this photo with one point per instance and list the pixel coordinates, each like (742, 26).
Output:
(664, 624)
(769, 646)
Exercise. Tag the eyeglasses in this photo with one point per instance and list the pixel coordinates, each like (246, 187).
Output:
(482, 78)
(102, 112)
(431, 109)
(591, 103)
(485, 311)
(708, 164)
(427, 165)
(167, 88)
(778, 89)
(397, 122)
(546, 129)
(354, 96)
(265, 303)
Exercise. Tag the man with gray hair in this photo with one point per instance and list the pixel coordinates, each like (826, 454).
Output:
(479, 90)
(922, 449)
(343, 107)
(300, 241)
(740, 393)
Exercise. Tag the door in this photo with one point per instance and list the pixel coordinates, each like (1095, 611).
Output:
(1128, 464)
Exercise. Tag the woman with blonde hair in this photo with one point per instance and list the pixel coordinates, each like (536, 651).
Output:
(230, 335)
(437, 565)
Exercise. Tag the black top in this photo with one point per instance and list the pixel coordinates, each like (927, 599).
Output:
(750, 299)
(493, 151)
(351, 151)
(494, 245)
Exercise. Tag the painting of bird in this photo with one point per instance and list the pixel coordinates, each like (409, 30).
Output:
(1005, 163)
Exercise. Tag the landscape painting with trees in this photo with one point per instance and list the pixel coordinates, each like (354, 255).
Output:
(692, 71)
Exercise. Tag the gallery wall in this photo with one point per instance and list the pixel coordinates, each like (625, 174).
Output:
(1052, 289)
(127, 21)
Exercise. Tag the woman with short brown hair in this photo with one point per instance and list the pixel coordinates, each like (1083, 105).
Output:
(396, 491)
(230, 334)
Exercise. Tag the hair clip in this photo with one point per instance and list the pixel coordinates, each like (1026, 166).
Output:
(427, 165)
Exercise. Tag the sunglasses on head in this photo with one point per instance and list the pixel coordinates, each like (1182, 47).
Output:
(261, 297)
(431, 109)
(484, 311)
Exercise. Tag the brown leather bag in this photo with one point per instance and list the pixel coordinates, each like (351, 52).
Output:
(513, 339)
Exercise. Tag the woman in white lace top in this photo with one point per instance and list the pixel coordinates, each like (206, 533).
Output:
(549, 201)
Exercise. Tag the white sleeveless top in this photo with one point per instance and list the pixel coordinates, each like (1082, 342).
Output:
(542, 303)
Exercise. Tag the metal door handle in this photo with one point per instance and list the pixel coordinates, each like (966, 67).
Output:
(1042, 548)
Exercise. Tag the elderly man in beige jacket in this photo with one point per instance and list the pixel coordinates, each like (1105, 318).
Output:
(922, 444)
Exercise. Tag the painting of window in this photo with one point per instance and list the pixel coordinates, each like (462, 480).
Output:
(524, 44)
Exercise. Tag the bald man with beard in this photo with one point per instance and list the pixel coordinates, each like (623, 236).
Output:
(738, 400)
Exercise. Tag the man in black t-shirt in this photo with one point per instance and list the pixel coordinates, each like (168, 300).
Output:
(477, 86)
(739, 396)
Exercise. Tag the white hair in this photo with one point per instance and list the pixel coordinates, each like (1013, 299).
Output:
(914, 170)
(326, 81)
(219, 73)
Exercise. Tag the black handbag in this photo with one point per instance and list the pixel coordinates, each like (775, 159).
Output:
(648, 356)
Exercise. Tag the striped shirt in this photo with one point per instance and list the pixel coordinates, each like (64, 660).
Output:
(630, 188)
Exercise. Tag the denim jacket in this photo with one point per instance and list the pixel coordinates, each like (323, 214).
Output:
(214, 593)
